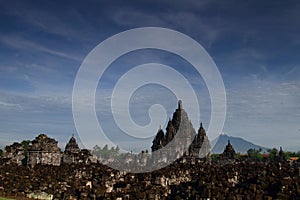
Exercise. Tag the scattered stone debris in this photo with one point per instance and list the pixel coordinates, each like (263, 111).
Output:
(40, 195)
(180, 180)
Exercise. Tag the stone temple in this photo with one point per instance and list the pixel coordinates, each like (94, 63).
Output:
(229, 152)
(180, 139)
(72, 151)
(73, 154)
(44, 150)
(200, 146)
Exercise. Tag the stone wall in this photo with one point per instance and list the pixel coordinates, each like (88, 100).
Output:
(44, 157)
(15, 154)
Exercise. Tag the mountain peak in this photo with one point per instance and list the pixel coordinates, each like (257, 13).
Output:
(240, 145)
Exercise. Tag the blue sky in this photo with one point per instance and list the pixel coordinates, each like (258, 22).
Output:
(255, 45)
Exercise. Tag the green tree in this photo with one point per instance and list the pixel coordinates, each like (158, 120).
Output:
(254, 154)
(289, 154)
(273, 153)
(1, 152)
(106, 152)
(215, 157)
(105, 148)
(96, 149)
(25, 144)
(117, 149)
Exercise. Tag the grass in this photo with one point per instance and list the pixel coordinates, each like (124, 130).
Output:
(14, 198)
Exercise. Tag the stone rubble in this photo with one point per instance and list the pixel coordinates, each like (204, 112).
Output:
(180, 180)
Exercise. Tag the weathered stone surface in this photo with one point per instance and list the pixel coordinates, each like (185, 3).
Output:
(44, 150)
(180, 139)
(15, 154)
(229, 152)
(241, 180)
(71, 153)
(200, 148)
(72, 146)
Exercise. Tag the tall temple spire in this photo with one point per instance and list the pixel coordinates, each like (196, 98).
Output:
(179, 104)
(201, 126)
(228, 142)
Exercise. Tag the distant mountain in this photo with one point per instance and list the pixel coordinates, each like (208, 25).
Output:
(239, 144)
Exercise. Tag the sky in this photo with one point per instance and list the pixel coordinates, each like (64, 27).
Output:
(254, 44)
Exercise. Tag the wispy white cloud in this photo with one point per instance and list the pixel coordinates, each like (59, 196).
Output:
(9, 106)
(67, 23)
(21, 43)
(193, 25)
(265, 112)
